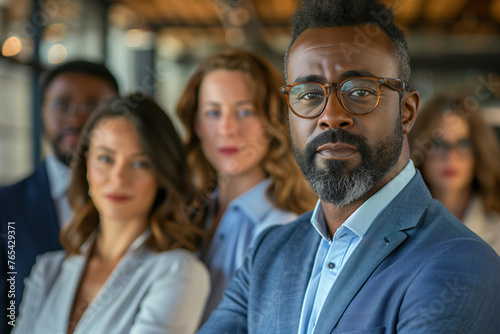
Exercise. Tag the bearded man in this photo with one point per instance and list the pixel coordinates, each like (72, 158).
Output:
(378, 254)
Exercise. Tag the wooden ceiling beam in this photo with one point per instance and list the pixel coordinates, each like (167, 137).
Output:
(495, 9)
(407, 12)
(444, 10)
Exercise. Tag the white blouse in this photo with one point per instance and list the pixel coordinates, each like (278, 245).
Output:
(484, 224)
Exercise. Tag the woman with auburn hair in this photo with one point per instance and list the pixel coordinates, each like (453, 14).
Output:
(128, 264)
(240, 153)
(457, 154)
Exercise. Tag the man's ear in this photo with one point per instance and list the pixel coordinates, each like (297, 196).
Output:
(409, 109)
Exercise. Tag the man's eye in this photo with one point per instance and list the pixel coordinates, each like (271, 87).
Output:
(360, 93)
(89, 106)
(61, 105)
(310, 96)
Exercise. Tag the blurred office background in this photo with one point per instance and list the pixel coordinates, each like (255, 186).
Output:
(153, 45)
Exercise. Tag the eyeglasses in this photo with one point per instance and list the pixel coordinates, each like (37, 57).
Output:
(463, 147)
(64, 106)
(358, 96)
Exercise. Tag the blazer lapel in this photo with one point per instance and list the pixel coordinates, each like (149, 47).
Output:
(384, 236)
(114, 285)
(43, 219)
(294, 277)
(62, 295)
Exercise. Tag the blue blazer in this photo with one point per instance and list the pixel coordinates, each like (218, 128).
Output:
(29, 205)
(418, 270)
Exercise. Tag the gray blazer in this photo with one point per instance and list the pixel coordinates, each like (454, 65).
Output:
(147, 293)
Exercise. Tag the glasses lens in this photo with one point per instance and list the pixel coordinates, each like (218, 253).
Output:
(88, 106)
(463, 147)
(64, 106)
(307, 99)
(360, 95)
(61, 106)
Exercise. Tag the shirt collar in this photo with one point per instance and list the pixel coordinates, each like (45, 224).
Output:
(363, 217)
(254, 203)
(58, 175)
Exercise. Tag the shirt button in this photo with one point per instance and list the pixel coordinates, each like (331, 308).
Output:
(331, 265)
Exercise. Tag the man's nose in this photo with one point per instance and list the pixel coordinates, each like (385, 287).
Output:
(76, 114)
(334, 116)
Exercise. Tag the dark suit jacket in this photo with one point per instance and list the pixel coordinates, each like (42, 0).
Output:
(29, 205)
(417, 270)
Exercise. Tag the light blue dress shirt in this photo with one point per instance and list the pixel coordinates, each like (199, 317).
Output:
(334, 252)
(243, 220)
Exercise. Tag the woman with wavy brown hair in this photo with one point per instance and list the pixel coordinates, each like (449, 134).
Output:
(240, 154)
(457, 153)
(128, 264)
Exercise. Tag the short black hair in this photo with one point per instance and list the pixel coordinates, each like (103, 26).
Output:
(79, 66)
(346, 13)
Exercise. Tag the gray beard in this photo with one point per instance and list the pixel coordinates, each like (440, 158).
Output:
(337, 185)
(342, 191)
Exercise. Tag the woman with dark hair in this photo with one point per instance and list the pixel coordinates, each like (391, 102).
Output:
(239, 150)
(457, 154)
(128, 264)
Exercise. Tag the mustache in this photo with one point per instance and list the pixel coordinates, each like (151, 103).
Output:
(335, 136)
(68, 131)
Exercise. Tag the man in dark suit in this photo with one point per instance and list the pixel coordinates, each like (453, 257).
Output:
(378, 254)
(33, 210)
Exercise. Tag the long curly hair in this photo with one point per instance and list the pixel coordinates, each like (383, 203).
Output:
(172, 221)
(486, 180)
(287, 189)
